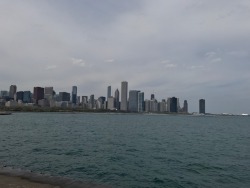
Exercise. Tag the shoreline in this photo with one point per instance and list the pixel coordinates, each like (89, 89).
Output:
(17, 182)
(17, 178)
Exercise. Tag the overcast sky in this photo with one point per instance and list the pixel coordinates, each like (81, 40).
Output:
(189, 49)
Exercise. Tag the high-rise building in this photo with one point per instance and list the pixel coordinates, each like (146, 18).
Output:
(174, 104)
(64, 96)
(85, 102)
(27, 96)
(48, 90)
(124, 96)
(133, 101)
(38, 94)
(92, 101)
(141, 106)
(12, 91)
(111, 103)
(108, 92)
(48, 93)
(163, 106)
(185, 106)
(152, 96)
(117, 102)
(4, 94)
(19, 96)
(74, 94)
(202, 106)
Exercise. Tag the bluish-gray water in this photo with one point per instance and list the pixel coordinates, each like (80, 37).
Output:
(130, 150)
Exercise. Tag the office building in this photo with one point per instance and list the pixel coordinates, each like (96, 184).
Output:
(38, 94)
(74, 95)
(85, 102)
(48, 93)
(27, 96)
(111, 103)
(163, 106)
(92, 101)
(19, 96)
(4, 94)
(141, 103)
(185, 106)
(202, 106)
(173, 105)
(108, 92)
(64, 96)
(124, 96)
(12, 91)
(152, 97)
(117, 102)
(133, 101)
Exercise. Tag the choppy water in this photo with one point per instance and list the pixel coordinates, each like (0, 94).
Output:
(130, 150)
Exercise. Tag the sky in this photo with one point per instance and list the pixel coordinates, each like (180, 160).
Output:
(189, 49)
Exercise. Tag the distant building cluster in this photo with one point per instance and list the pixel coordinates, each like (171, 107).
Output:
(129, 101)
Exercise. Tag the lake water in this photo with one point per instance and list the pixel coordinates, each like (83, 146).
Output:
(130, 150)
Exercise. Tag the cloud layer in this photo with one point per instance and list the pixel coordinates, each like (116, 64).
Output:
(189, 49)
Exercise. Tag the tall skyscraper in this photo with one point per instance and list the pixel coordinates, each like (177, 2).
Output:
(108, 92)
(38, 94)
(74, 94)
(117, 102)
(133, 101)
(141, 106)
(185, 106)
(202, 106)
(174, 105)
(124, 96)
(92, 101)
(12, 91)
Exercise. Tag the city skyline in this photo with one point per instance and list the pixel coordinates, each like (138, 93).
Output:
(191, 50)
(132, 101)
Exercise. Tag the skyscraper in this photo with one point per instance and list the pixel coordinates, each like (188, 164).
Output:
(185, 106)
(74, 94)
(152, 96)
(108, 92)
(12, 91)
(27, 96)
(202, 106)
(64, 96)
(141, 103)
(92, 101)
(117, 102)
(133, 101)
(38, 94)
(124, 96)
(173, 104)
(19, 95)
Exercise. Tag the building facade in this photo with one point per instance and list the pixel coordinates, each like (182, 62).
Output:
(141, 103)
(124, 96)
(133, 101)
(12, 91)
(38, 94)
(173, 105)
(74, 95)
(117, 102)
(108, 92)
(202, 106)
